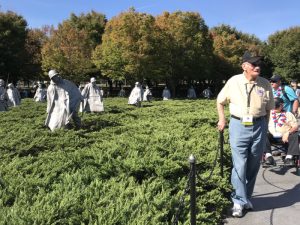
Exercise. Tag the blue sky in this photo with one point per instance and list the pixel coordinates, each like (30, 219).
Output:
(258, 17)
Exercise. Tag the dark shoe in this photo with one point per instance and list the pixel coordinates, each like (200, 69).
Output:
(289, 162)
(283, 155)
(270, 161)
(248, 205)
(276, 153)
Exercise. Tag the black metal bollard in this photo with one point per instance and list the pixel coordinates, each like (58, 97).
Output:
(298, 165)
(221, 143)
(192, 161)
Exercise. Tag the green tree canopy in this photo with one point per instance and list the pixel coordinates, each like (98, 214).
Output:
(283, 50)
(68, 50)
(12, 45)
(229, 47)
(70, 47)
(130, 47)
(35, 40)
(187, 46)
(93, 23)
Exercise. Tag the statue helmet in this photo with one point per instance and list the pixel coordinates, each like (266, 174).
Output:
(52, 73)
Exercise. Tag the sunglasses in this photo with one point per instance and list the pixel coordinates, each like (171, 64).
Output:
(256, 64)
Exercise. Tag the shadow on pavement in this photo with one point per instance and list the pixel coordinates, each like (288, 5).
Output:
(285, 198)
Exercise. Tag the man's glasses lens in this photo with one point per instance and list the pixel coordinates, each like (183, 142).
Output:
(256, 64)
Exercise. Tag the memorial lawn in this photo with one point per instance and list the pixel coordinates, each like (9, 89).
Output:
(126, 165)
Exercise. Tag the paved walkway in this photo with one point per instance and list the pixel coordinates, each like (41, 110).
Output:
(276, 198)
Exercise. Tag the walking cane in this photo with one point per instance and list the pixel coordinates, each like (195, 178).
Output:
(221, 146)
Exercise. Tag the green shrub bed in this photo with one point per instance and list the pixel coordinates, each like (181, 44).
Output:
(125, 166)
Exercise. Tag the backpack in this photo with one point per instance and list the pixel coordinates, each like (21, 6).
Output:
(285, 95)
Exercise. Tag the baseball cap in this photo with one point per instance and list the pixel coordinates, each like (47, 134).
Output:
(251, 58)
(275, 78)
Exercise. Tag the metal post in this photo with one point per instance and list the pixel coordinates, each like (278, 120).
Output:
(298, 165)
(192, 161)
(221, 142)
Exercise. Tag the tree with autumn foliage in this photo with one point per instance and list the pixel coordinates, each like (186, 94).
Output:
(69, 48)
(92, 22)
(170, 47)
(13, 33)
(283, 51)
(187, 47)
(229, 47)
(130, 48)
(35, 40)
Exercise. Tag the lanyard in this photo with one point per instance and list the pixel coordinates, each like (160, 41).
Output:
(248, 96)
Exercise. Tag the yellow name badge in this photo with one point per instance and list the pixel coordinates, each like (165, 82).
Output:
(247, 120)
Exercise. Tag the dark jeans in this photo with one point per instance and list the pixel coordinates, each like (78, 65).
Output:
(291, 147)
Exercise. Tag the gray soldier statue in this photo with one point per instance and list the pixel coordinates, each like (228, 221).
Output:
(3, 96)
(63, 100)
(93, 97)
(14, 97)
(40, 93)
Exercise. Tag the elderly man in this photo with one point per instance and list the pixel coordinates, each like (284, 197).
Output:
(3, 96)
(63, 99)
(250, 100)
(136, 95)
(93, 97)
(285, 92)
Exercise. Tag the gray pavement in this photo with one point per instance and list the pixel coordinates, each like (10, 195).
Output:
(276, 198)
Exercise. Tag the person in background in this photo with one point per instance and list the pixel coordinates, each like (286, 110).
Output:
(14, 97)
(63, 99)
(3, 97)
(295, 88)
(136, 95)
(250, 99)
(147, 94)
(40, 94)
(93, 97)
(166, 95)
(282, 125)
(191, 94)
(285, 92)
